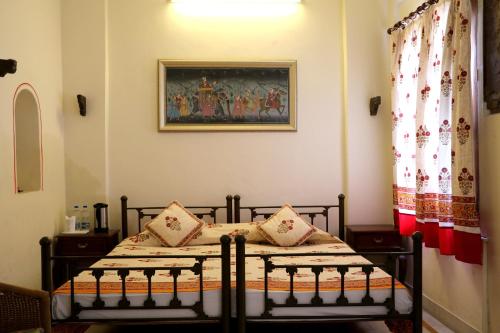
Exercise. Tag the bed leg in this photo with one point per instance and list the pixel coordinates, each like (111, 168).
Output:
(226, 282)
(237, 208)
(45, 244)
(240, 284)
(417, 282)
(229, 208)
(124, 217)
(341, 216)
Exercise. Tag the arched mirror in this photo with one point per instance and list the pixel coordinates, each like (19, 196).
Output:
(28, 159)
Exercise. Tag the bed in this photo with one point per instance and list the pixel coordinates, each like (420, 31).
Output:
(140, 284)
(323, 282)
(241, 281)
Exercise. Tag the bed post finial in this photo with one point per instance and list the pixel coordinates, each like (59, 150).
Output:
(45, 244)
(341, 216)
(124, 217)
(237, 208)
(229, 208)
(417, 281)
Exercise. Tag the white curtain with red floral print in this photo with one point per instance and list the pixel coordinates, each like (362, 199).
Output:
(434, 130)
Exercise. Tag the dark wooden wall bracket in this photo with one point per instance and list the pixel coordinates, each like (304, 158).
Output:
(82, 104)
(374, 105)
(7, 66)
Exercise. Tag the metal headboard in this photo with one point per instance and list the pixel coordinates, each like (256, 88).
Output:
(152, 212)
(307, 210)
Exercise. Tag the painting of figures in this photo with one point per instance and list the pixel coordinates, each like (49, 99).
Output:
(232, 96)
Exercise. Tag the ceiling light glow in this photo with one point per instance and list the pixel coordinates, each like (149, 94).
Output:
(236, 8)
(236, 1)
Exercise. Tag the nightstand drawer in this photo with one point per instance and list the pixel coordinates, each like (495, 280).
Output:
(377, 238)
(90, 244)
(81, 246)
(383, 240)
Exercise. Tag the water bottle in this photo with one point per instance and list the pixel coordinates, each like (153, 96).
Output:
(85, 218)
(77, 214)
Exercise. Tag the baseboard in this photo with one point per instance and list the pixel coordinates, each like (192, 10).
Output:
(453, 322)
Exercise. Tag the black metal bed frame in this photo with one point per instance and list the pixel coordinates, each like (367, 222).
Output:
(175, 303)
(316, 301)
(241, 321)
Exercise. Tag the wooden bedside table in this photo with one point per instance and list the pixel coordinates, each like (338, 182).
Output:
(377, 238)
(89, 244)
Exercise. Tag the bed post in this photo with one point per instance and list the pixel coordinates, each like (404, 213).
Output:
(226, 282)
(229, 208)
(240, 284)
(417, 282)
(124, 217)
(46, 266)
(341, 216)
(237, 208)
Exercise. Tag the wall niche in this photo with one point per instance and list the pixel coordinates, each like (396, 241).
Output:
(28, 152)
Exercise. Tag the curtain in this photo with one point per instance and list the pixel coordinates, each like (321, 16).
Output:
(434, 130)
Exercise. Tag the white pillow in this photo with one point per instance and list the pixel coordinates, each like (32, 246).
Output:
(286, 228)
(144, 238)
(175, 226)
(322, 237)
(211, 233)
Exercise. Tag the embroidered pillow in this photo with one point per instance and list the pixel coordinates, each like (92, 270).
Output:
(285, 228)
(175, 226)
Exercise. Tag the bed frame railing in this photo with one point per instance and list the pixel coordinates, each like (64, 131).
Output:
(316, 301)
(311, 211)
(151, 212)
(149, 303)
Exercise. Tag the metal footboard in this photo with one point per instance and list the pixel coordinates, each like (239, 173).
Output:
(316, 301)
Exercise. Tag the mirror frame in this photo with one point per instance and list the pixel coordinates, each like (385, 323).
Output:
(32, 90)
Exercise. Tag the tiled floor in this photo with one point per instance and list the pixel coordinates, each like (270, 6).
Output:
(363, 327)
(436, 325)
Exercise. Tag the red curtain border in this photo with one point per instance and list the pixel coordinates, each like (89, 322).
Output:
(467, 247)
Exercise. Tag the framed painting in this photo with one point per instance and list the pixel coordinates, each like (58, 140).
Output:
(227, 96)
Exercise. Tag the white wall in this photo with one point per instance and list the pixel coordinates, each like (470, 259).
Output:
(308, 166)
(489, 164)
(369, 144)
(84, 47)
(489, 158)
(31, 34)
(264, 167)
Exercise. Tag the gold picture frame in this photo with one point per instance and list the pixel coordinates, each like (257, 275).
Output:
(227, 95)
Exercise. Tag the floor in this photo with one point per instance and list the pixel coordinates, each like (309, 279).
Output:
(431, 325)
